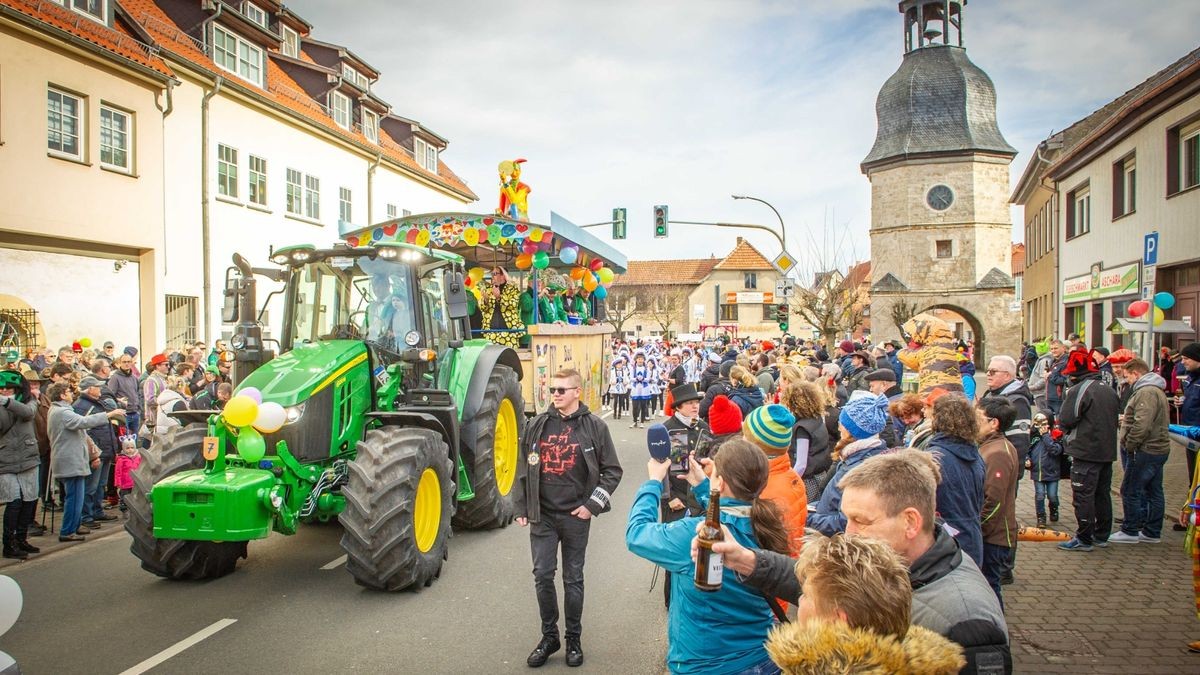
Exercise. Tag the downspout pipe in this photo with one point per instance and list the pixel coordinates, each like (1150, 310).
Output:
(371, 187)
(205, 225)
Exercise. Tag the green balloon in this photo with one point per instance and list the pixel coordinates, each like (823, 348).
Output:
(494, 234)
(250, 445)
(541, 260)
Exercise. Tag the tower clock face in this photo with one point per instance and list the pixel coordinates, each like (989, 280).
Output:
(939, 197)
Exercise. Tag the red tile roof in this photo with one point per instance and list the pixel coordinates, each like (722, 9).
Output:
(116, 39)
(666, 272)
(744, 257)
(858, 274)
(1018, 259)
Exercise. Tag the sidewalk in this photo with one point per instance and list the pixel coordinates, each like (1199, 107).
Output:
(49, 542)
(1122, 609)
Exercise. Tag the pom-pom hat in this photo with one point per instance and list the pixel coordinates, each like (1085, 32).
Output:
(724, 417)
(864, 415)
(769, 427)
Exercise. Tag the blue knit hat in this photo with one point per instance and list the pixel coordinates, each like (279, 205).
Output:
(864, 415)
(769, 426)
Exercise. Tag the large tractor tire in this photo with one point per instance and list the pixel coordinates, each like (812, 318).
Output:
(495, 437)
(176, 450)
(399, 502)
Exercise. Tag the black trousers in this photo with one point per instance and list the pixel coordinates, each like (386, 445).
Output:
(18, 516)
(1091, 488)
(641, 409)
(546, 537)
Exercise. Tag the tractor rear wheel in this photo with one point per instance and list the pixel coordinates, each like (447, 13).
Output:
(176, 450)
(495, 436)
(399, 502)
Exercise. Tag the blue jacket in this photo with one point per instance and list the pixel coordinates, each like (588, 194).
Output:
(897, 367)
(1056, 382)
(828, 519)
(960, 494)
(717, 633)
(746, 398)
(1044, 459)
(1189, 411)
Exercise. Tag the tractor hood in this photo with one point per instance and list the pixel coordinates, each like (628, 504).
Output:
(296, 376)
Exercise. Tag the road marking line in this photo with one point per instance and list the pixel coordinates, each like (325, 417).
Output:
(606, 415)
(178, 647)
(334, 564)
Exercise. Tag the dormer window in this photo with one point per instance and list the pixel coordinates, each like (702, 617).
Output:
(426, 155)
(354, 77)
(97, 10)
(339, 106)
(291, 42)
(238, 56)
(255, 13)
(370, 126)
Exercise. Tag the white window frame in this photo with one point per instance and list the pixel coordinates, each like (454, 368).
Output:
(295, 192)
(355, 77)
(113, 134)
(255, 13)
(73, 6)
(1129, 185)
(341, 117)
(370, 125)
(238, 61)
(291, 42)
(256, 186)
(431, 157)
(312, 197)
(79, 119)
(1189, 176)
(227, 169)
(426, 154)
(392, 210)
(1082, 214)
(345, 205)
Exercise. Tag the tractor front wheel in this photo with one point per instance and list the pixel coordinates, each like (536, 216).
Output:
(179, 449)
(495, 436)
(399, 502)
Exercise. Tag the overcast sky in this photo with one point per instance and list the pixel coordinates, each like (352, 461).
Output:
(621, 103)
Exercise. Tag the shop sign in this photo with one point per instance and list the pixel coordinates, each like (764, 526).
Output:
(749, 298)
(1101, 283)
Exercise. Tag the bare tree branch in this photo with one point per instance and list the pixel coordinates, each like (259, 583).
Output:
(902, 312)
(832, 305)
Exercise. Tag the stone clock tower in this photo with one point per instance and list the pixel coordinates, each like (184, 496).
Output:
(940, 227)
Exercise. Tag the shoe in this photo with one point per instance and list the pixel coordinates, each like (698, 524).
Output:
(105, 518)
(548, 645)
(51, 507)
(1006, 580)
(36, 530)
(1041, 521)
(633, 426)
(1053, 513)
(1122, 538)
(1101, 543)
(1179, 528)
(1075, 545)
(91, 525)
(24, 545)
(15, 553)
(574, 652)
(1148, 539)
(72, 537)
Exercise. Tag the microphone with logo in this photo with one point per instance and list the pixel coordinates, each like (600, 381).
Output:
(658, 442)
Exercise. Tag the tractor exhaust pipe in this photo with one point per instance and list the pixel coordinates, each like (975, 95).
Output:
(240, 307)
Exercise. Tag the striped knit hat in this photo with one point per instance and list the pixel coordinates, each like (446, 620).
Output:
(769, 427)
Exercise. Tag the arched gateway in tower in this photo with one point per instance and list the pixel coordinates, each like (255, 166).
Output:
(941, 234)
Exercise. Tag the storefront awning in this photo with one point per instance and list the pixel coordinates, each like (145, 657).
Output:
(1122, 325)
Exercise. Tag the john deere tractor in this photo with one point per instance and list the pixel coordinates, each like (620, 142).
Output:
(394, 423)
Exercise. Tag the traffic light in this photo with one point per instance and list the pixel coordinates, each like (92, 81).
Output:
(618, 222)
(782, 314)
(661, 219)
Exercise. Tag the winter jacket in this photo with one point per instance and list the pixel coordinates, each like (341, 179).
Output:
(1189, 410)
(766, 380)
(168, 402)
(679, 486)
(1107, 376)
(1038, 374)
(1044, 463)
(39, 425)
(828, 519)
(18, 435)
(746, 398)
(154, 385)
(856, 379)
(618, 380)
(786, 490)
(603, 467)
(69, 455)
(960, 495)
(823, 646)
(719, 388)
(126, 386)
(720, 632)
(123, 477)
(820, 450)
(1056, 382)
(709, 376)
(105, 437)
(641, 381)
(1089, 418)
(1147, 415)
(999, 513)
(1022, 399)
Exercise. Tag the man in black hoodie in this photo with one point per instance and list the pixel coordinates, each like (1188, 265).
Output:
(570, 473)
(1089, 418)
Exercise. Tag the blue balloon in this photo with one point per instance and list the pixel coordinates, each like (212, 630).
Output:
(568, 255)
(600, 293)
(1164, 300)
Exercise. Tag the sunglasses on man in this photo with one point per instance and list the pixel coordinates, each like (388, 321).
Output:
(561, 390)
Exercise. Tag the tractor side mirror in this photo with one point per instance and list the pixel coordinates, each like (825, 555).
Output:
(456, 295)
(229, 309)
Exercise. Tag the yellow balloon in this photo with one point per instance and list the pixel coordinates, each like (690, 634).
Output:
(470, 236)
(423, 238)
(605, 275)
(1159, 315)
(535, 234)
(240, 411)
(476, 274)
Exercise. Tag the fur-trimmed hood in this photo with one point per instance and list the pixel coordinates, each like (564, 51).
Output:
(828, 647)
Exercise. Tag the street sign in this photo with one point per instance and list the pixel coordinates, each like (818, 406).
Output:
(1150, 250)
(785, 288)
(784, 263)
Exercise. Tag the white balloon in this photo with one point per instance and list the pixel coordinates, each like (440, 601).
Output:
(10, 603)
(271, 417)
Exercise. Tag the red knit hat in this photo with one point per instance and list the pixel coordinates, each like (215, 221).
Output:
(724, 417)
(1121, 356)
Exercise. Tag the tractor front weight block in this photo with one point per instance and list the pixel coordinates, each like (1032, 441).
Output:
(221, 506)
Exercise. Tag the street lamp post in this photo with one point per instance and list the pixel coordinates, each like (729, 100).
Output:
(782, 227)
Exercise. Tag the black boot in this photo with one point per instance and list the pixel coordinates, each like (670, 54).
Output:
(544, 649)
(1054, 513)
(1041, 520)
(11, 550)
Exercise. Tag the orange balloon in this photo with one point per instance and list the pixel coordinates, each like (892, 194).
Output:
(524, 261)
(577, 273)
(589, 281)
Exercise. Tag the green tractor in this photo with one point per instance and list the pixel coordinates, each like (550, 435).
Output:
(395, 423)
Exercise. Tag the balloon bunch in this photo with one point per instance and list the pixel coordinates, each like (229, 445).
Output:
(1162, 301)
(593, 276)
(253, 418)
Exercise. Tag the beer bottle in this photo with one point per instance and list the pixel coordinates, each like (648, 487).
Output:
(709, 564)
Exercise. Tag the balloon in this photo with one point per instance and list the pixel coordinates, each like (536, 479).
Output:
(596, 264)
(240, 411)
(547, 237)
(252, 393)
(85, 342)
(250, 444)
(423, 238)
(494, 234)
(271, 417)
(524, 261)
(1138, 308)
(10, 603)
(1159, 315)
(474, 291)
(541, 260)
(470, 236)
(476, 274)
(600, 293)
(410, 236)
(568, 255)
(577, 273)
(535, 235)
(605, 275)
(529, 247)
(1162, 299)
(589, 281)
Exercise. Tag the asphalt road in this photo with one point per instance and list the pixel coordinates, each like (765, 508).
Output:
(291, 607)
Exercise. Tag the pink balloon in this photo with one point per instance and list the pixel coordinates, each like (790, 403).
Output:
(1138, 308)
(252, 393)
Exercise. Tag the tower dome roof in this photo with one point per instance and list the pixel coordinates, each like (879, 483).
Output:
(937, 102)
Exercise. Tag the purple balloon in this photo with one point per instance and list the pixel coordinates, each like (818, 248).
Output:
(252, 393)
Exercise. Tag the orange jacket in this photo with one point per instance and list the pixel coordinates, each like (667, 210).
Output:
(786, 490)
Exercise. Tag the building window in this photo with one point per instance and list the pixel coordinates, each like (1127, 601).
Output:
(729, 312)
(295, 192)
(425, 154)
(1183, 157)
(92, 9)
(750, 280)
(258, 180)
(227, 178)
(115, 132)
(370, 126)
(234, 54)
(64, 133)
(768, 314)
(291, 42)
(344, 200)
(254, 13)
(181, 319)
(944, 248)
(1124, 186)
(339, 104)
(392, 211)
(312, 197)
(1079, 212)
(354, 77)
(404, 213)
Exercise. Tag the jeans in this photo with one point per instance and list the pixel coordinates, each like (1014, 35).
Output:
(1091, 485)
(73, 489)
(1142, 494)
(545, 537)
(766, 667)
(995, 560)
(93, 502)
(1045, 490)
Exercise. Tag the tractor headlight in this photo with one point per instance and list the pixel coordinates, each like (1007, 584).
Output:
(293, 413)
(281, 259)
(238, 341)
(388, 253)
(301, 256)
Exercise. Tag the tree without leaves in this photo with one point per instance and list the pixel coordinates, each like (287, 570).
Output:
(621, 304)
(832, 305)
(901, 312)
(664, 305)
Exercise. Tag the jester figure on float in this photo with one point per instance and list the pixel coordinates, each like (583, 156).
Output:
(514, 195)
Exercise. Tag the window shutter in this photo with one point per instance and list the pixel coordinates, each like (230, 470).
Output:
(1070, 214)
(1172, 161)
(1118, 189)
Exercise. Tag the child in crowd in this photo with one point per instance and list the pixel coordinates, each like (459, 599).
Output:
(127, 461)
(1044, 464)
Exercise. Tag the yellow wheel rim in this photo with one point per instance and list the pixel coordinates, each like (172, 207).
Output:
(504, 448)
(427, 511)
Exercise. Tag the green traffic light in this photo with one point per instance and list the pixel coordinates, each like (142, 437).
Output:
(783, 326)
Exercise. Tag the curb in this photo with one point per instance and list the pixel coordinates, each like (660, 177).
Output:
(50, 544)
